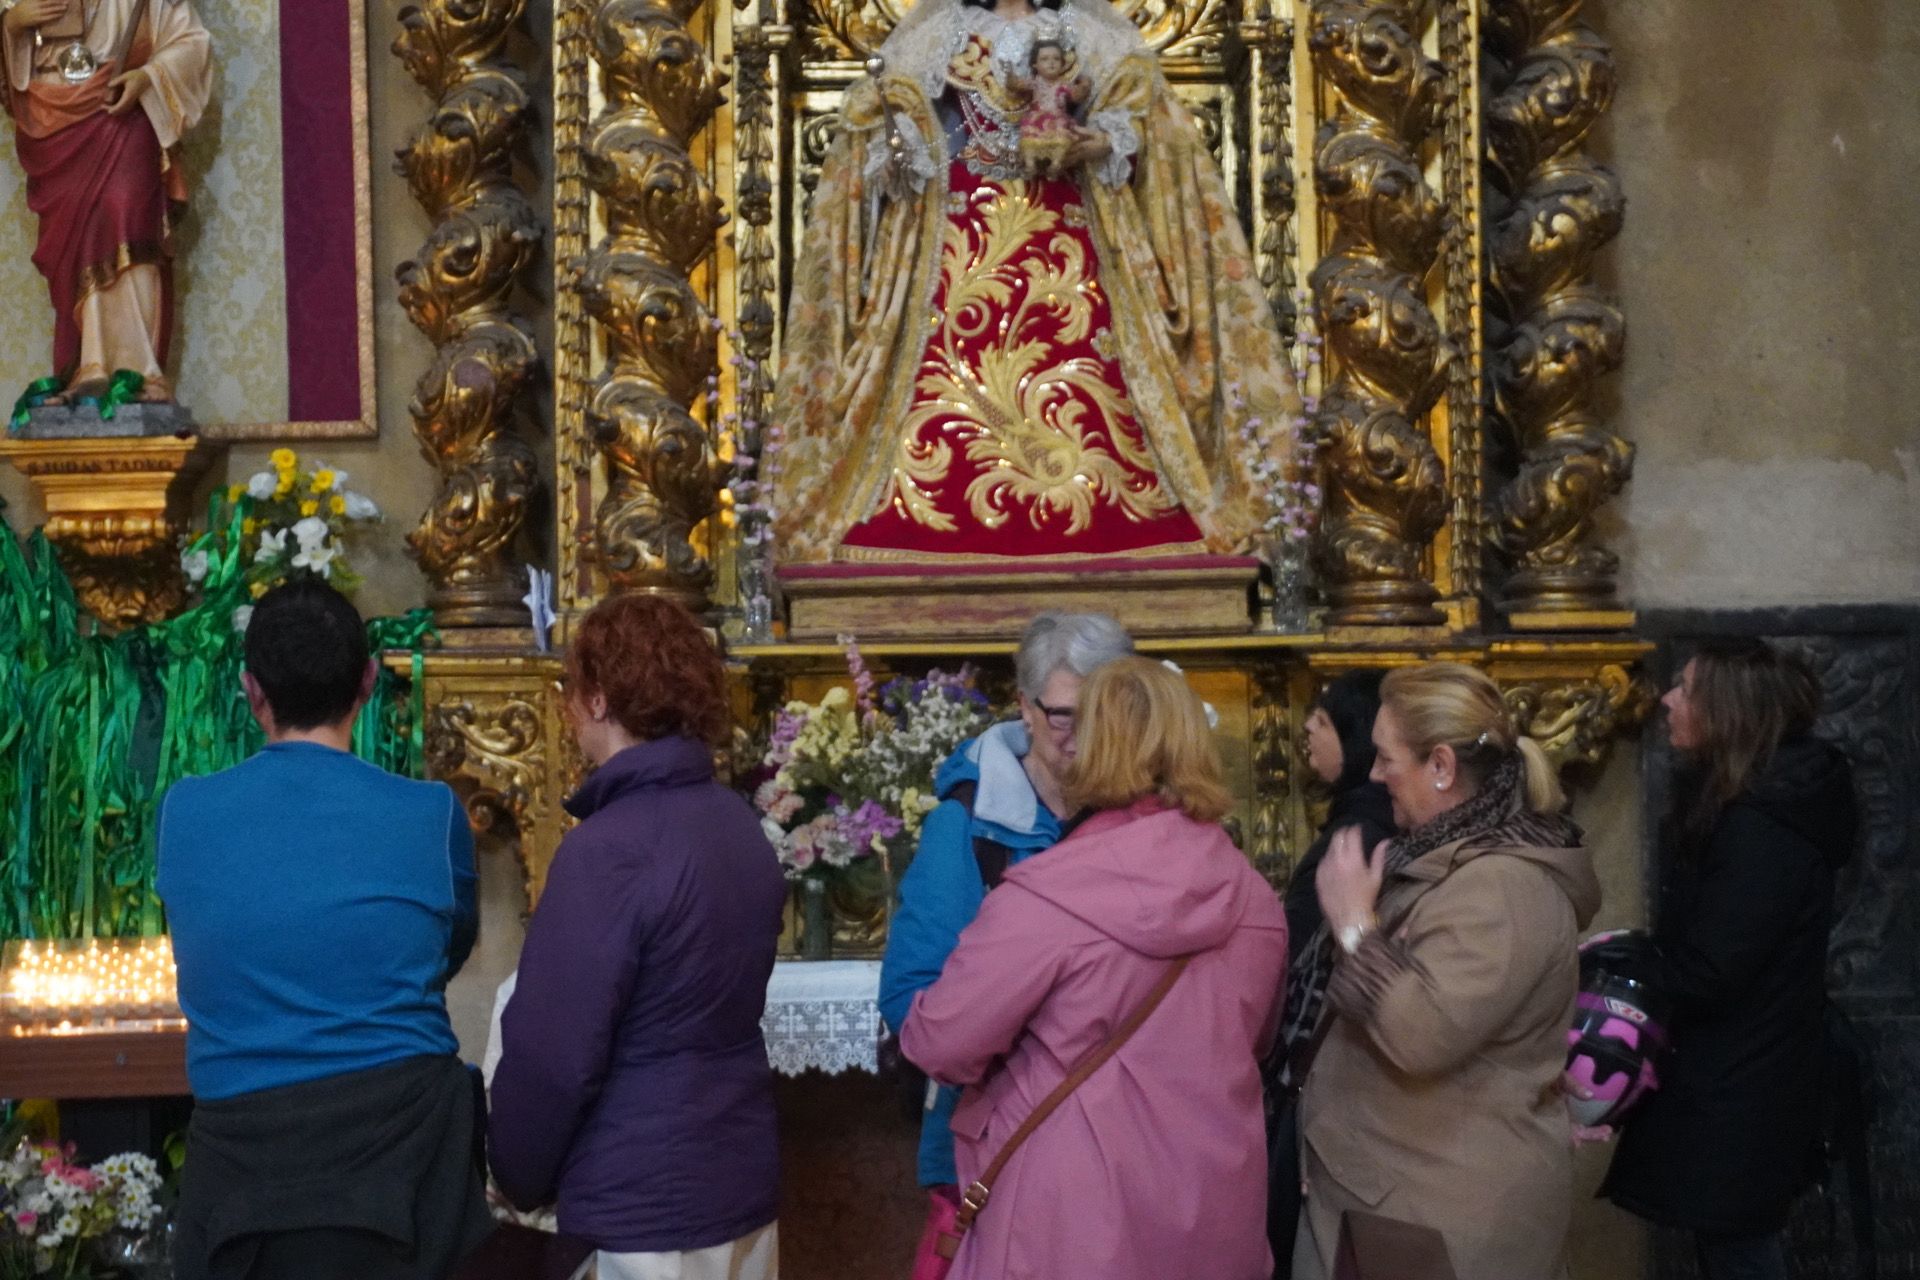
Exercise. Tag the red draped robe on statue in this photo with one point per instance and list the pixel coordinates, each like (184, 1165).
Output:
(1021, 431)
(104, 186)
(985, 366)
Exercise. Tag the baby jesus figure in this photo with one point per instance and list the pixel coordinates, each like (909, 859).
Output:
(1047, 131)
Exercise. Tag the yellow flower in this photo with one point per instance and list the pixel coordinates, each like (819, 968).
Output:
(283, 459)
(337, 504)
(322, 481)
(234, 491)
(257, 589)
(285, 486)
(310, 507)
(249, 526)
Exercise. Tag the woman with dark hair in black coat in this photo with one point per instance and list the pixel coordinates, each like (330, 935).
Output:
(1764, 814)
(1340, 753)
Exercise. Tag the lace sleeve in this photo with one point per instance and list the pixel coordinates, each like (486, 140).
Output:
(1124, 139)
(918, 168)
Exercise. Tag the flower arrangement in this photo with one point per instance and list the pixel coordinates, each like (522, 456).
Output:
(849, 779)
(294, 518)
(55, 1215)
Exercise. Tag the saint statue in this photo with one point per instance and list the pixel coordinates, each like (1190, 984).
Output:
(996, 350)
(101, 92)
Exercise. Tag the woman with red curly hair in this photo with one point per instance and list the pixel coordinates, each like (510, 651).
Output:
(633, 1085)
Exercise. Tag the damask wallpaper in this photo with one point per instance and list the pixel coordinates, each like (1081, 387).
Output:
(229, 354)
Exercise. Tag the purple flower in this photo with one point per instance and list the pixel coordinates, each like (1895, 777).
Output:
(786, 727)
(862, 678)
(864, 825)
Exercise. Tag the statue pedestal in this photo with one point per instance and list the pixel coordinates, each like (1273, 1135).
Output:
(1188, 595)
(113, 491)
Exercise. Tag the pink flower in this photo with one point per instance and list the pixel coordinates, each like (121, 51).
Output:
(862, 678)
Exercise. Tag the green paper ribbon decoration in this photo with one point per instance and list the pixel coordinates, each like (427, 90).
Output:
(110, 723)
(122, 388)
(32, 398)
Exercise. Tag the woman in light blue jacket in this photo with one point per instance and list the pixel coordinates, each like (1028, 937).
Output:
(1000, 803)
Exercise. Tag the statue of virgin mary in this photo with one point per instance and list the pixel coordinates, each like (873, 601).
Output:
(984, 360)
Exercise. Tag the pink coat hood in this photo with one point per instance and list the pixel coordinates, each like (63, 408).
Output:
(1153, 880)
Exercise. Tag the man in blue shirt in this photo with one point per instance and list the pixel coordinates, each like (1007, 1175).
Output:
(1000, 803)
(318, 906)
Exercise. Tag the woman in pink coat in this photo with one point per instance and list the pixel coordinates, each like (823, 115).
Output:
(1155, 1167)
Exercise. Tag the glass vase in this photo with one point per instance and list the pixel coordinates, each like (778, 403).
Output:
(816, 920)
(756, 597)
(1291, 581)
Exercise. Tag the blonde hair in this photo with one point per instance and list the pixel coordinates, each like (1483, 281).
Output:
(1143, 732)
(1454, 704)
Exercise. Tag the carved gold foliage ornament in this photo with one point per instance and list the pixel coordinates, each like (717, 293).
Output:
(1386, 489)
(1270, 42)
(663, 473)
(1576, 718)
(1273, 844)
(458, 290)
(497, 733)
(1554, 334)
(497, 749)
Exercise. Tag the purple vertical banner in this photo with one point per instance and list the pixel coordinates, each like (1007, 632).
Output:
(316, 133)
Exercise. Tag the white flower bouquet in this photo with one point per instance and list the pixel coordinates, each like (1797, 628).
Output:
(55, 1216)
(293, 518)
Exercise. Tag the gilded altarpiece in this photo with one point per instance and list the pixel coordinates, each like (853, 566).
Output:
(1410, 175)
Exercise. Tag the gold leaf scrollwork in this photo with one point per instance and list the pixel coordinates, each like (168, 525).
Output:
(1273, 774)
(1553, 333)
(663, 471)
(1386, 488)
(496, 735)
(130, 581)
(1195, 29)
(1271, 76)
(848, 29)
(458, 290)
(498, 749)
(1575, 719)
(662, 481)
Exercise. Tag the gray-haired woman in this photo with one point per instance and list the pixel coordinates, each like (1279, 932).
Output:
(1000, 803)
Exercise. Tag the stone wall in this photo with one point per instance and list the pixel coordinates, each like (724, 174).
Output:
(1772, 379)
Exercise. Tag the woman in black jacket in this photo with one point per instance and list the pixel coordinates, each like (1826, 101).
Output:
(1340, 753)
(1764, 814)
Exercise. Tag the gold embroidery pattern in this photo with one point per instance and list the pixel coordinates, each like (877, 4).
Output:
(1033, 419)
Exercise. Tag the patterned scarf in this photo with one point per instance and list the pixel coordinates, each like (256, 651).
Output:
(1497, 814)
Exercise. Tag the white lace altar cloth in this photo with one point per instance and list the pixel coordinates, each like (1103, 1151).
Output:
(823, 1015)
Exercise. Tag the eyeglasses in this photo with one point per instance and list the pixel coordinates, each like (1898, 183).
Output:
(1059, 719)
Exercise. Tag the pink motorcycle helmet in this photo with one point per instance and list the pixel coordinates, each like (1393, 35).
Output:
(1619, 1027)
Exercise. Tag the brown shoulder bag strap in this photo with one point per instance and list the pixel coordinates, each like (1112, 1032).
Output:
(976, 1195)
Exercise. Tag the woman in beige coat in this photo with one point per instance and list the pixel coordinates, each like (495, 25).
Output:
(1433, 1129)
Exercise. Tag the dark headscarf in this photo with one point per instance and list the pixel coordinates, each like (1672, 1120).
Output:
(1352, 701)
